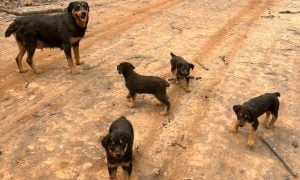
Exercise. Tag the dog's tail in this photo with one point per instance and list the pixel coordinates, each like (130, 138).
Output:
(13, 27)
(277, 94)
(172, 54)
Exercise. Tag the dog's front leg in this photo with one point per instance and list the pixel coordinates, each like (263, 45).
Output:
(131, 96)
(67, 50)
(127, 169)
(251, 137)
(76, 54)
(187, 84)
(235, 127)
(112, 170)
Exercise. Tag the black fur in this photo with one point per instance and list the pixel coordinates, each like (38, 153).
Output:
(57, 31)
(118, 144)
(181, 68)
(255, 107)
(136, 83)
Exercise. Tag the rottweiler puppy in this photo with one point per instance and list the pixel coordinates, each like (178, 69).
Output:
(57, 31)
(118, 146)
(181, 69)
(136, 83)
(250, 111)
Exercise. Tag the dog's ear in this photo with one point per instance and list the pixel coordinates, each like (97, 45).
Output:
(236, 108)
(104, 141)
(131, 66)
(191, 66)
(71, 6)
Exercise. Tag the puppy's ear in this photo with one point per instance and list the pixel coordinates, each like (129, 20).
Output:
(236, 108)
(131, 66)
(191, 66)
(71, 6)
(104, 141)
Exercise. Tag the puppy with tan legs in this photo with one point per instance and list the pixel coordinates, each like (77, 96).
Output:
(250, 111)
(137, 84)
(118, 146)
(181, 69)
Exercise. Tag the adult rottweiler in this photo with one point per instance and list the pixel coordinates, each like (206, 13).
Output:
(250, 111)
(137, 83)
(118, 146)
(57, 31)
(181, 68)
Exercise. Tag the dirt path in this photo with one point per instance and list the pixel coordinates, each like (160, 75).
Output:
(51, 123)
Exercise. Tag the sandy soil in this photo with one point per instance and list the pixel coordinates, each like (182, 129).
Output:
(50, 123)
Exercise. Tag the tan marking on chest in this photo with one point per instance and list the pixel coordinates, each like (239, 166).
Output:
(74, 40)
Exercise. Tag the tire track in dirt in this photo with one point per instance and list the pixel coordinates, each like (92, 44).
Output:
(230, 44)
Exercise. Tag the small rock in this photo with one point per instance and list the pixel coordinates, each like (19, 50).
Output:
(50, 149)
(87, 166)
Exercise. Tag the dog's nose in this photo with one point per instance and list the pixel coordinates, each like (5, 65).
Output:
(241, 125)
(118, 155)
(83, 13)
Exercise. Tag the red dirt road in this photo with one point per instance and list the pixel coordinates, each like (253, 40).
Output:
(50, 123)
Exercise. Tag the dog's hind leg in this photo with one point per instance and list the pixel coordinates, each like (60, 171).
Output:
(19, 58)
(274, 113)
(164, 99)
(76, 54)
(266, 120)
(30, 61)
(67, 50)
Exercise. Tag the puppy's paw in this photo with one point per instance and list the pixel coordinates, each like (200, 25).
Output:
(79, 63)
(188, 90)
(131, 105)
(23, 70)
(268, 126)
(37, 71)
(250, 143)
(233, 130)
(74, 70)
(163, 113)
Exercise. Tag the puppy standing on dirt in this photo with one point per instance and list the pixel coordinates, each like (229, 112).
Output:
(181, 68)
(250, 111)
(118, 145)
(43, 31)
(136, 83)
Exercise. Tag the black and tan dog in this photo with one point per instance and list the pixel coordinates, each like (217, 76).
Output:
(250, 111)
(58, 31)
(136, 83)
(118, 146)
(181, 68)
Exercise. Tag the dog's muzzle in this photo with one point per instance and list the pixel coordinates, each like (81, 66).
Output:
(242, 123)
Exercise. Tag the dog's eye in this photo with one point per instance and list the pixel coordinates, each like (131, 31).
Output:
(77, 8)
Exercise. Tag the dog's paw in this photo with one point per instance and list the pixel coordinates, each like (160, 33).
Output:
(131, 105)
(250, 143)
(79, 63)
(163, 113)
(23, 70)
(74, 71)
(268, 126)
(233, 130)
(37, 71)
(188, 90)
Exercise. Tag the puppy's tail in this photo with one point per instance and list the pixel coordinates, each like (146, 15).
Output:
(13, 27)
(172, 54)
(277, 94)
